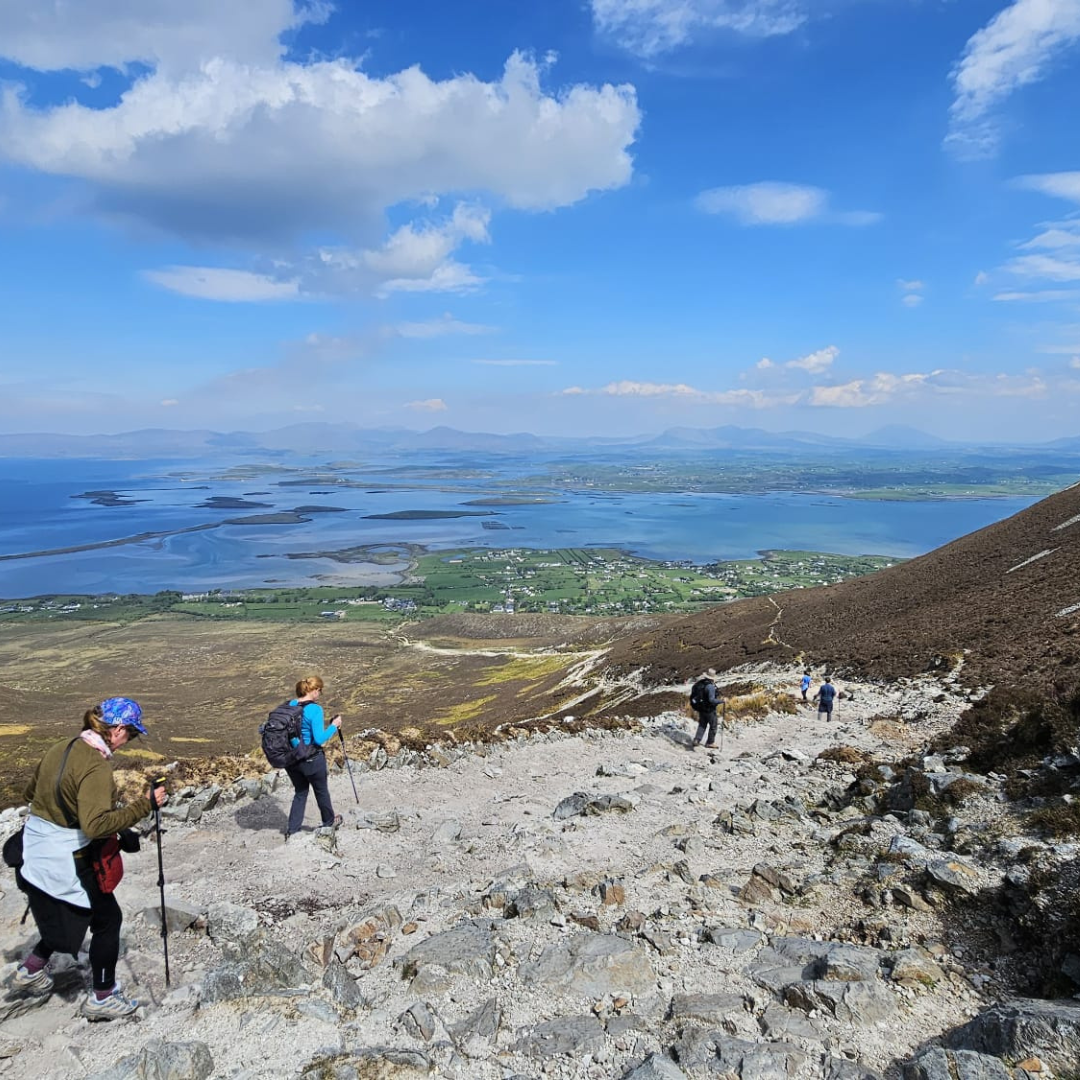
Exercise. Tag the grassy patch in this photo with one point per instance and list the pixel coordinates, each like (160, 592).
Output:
(458, 714)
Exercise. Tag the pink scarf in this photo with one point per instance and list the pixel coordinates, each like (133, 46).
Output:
(92, 738)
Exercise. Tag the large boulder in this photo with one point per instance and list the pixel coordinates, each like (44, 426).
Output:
(591, 965)
(1023, 1028)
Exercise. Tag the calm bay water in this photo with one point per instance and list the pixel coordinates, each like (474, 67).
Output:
(38, 512)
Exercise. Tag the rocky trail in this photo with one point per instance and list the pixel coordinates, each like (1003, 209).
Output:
(591, 905)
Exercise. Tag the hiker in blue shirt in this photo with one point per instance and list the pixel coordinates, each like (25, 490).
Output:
(824, 697)
(311, 773)
(805, 684)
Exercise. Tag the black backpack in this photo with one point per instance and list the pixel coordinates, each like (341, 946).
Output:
(281, 727)
(699, 699)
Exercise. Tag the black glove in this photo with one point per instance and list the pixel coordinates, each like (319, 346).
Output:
(128, 840)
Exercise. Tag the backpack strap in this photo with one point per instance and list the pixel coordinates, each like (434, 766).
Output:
(71, 819)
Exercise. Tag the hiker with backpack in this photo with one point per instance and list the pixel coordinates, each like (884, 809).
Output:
(705, 700)
(307, 768)
(71, 854)
(825, 697)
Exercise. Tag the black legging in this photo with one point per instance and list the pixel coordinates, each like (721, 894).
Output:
(309, 774)
(63, 926)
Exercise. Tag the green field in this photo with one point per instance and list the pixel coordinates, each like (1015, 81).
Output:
(568, 581)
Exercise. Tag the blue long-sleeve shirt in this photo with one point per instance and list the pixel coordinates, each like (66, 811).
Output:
(314, 729)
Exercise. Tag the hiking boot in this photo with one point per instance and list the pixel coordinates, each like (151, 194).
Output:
(710, 746)
(338, 819)
(112, 1007)
(36, 982)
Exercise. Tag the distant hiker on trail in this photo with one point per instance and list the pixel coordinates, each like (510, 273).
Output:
(805, 684)
(704, 700)
(311, 773)
(824, 697)
(67, 873)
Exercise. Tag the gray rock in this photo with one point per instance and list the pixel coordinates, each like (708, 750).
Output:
(178, 916)
(582, 804)
(708, 1008)
(780, 1022)
(656, 1067)
(738, 941)
(563, 1035)
(230, 925)
(833, 1068)
(388, 822)
(485, 1022)
(342, 986)
(419, 1021)
(592, 965)
(372, 1063)
(532, 904)
(265, 966)
(446, 833)
(853, 1002)
(954, 875)
(161, 1060)
(915, 966)
(940, 1064)
(466, 950)
(17, 1003)
(717, 1053)
(1024, 1027)
(849, 963)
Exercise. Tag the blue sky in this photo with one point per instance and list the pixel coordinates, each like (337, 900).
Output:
(576, 216)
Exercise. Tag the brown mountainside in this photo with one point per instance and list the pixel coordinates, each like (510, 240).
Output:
(1001, 597)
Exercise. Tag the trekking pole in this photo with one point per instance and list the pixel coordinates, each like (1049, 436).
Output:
(723, 724)
(160, 782)
(348, 765)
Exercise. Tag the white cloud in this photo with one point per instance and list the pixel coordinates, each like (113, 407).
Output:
(877, 389)
(650, 27)
(754, 399)
(203, 154)
(441, 327)
(1074, 363)
(215, 283)
(1050, 267)
(815, 362)
(982, 278)
(910, 286)
(764, 364)
(1039, 296)
(428, 405)
(52, 35)
(1013, 50)
(770, 202)
(765, 203)
(1061, 234)
(912, 300)
(518, 363)
(169, 402)
(1063, 185)
(227, 143)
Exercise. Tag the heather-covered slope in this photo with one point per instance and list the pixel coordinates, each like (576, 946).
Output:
(1006, 599)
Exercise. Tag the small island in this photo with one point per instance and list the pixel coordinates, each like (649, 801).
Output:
(427, 515)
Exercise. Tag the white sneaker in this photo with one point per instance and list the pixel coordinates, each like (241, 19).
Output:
(37, 982)
(113, 1007)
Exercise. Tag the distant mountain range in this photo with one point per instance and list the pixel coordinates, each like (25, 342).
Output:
(335, 439)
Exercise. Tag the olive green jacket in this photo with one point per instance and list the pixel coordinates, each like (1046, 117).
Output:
(88, 789)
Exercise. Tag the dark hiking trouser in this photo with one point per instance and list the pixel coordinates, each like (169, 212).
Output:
(63, 926)
(309, 774)
(706, 719)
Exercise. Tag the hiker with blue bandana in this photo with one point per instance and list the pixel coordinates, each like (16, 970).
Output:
(67, 873)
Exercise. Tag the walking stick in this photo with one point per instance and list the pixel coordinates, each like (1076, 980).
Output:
(160, 782)
(348, 765)
(723, 724)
